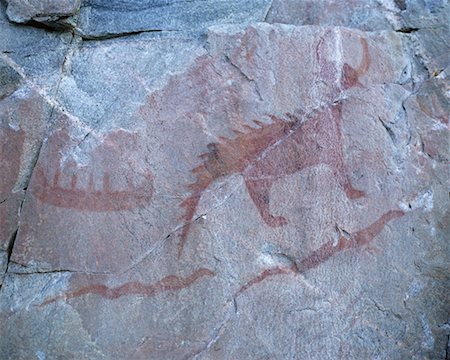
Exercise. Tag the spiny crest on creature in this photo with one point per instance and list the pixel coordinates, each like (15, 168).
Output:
(233, 155)
(236, 153)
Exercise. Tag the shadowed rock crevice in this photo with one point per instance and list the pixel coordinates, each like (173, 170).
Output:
(407, 30)
(130, 34)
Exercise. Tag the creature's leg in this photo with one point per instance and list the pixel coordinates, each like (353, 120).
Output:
(259, 191)
(341, 175)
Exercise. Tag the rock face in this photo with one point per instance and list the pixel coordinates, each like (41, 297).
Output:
(224, 180)
(49, 12)
(102, 18)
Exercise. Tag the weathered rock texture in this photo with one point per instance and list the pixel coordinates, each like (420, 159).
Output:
(53, 13)
(224, 180)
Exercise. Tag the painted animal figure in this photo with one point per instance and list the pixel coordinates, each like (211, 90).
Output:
(276, 149)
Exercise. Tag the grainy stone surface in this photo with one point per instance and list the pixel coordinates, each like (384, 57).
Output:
(427, 22)
(103, 18)
(225, 188)
(10, 79)
(34, 52)
(50, 12)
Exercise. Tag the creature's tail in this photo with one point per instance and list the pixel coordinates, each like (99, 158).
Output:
(204, 179)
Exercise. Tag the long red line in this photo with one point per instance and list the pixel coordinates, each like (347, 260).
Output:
(169, 283)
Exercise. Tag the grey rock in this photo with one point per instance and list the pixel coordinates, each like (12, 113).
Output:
(50, 12)
(432, 46)
(94, 87)
(428, 14)
(368, 15)
(3, 265)
(101, 18)
(37, 54)
(10, 79)
(32, 343)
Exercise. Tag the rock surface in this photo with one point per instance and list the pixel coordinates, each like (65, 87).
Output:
(49, 12)
(105, 18)
(224, 180)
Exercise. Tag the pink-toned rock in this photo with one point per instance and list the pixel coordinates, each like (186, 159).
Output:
(22, 122)
(80, 178)
(11, 148)
(11, 143)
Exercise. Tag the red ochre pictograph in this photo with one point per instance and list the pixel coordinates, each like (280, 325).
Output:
(102, 196)
(360, 238)
(172, 283)
(262, 155)
(166, 284)
(276, 149)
